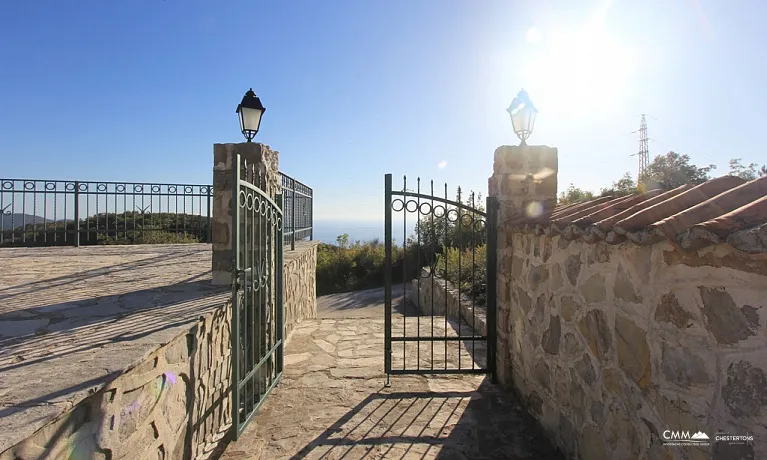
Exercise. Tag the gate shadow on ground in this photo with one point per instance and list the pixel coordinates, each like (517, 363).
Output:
(484, 424)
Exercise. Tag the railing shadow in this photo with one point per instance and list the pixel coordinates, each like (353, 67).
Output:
(138, 404)
(69, 279)
(482, 424)
(127, 317)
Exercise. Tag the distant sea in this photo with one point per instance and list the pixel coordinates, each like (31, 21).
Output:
(327, 231)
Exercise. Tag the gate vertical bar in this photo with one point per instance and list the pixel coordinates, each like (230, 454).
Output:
(293, 217)
(235, 329)
(210, 225)
(77, 215)
(491, 228)
(387, 276)
(279, 264)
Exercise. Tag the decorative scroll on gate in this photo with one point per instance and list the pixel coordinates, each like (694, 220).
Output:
(445, 256)
(257, 315)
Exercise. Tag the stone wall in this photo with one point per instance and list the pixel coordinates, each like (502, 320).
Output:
(173, 404)
(609, 346)
(300, 284)
(434, 295)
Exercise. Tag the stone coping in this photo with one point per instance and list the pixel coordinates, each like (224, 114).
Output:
(301, 247)
(74, 319)
(462, 303)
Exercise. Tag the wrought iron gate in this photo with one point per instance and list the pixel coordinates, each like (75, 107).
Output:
(257, 308)
(445, 323)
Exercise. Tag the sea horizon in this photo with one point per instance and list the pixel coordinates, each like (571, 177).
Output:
(327, 231)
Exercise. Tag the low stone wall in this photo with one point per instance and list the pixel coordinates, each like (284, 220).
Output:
(174, 403)
(300, 299)
(613, 346)
(434, 294)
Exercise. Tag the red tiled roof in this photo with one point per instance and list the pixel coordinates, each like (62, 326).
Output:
(727, 209)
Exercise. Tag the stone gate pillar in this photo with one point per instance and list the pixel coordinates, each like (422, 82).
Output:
(525, 182)
(266, 161)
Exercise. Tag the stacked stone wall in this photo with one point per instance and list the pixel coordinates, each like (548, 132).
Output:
(434, 295)
(610, 346)
(300, 284)
(174, 403)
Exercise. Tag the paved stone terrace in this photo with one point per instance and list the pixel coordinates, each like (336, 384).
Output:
(72, 319)
(332, 403)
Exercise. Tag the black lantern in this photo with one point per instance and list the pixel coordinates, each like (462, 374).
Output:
(250, 111)
(522, 112)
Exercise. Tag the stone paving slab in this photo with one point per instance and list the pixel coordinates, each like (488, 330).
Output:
(361, 304)
(332, 404)
(73, 319)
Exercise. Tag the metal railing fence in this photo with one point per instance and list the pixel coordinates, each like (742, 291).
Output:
(37, 212)
(298, 210)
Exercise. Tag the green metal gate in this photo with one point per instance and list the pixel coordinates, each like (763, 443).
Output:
(449, 257)
(257, 308)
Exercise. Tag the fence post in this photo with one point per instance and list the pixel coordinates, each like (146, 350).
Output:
(311, 217)
(491, 227)
(210, 195)
(293, 218)
(77, 214)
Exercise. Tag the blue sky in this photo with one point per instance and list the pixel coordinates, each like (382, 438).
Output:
(140, 90)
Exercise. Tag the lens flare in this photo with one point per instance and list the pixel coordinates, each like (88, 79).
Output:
(163, 382)
(534, 209)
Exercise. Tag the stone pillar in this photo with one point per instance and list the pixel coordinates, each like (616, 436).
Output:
(266, 162)
(525, 182)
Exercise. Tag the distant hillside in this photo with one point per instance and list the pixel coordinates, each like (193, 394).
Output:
(10, 221)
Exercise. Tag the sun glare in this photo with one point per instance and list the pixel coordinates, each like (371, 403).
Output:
(578, 69)
(533, 35)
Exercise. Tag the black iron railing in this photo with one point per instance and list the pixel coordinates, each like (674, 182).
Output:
(73, 213)
(297, 210)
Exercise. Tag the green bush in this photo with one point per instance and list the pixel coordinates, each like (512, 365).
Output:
(129, 227)
(466, 269)
(349, 267)
(150, 237)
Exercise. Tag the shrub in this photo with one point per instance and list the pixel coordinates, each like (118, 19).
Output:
(360, 265)
(149, 237)
(466, 269)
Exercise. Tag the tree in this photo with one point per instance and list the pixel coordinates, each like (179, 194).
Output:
(749, 172)
(442, 226)
(623, 186)
(343, 240)
(672, 170)
(574, 195)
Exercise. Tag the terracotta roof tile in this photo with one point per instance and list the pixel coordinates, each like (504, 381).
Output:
(677, 204)
(607, 224)
(746, 194)
(727, 209)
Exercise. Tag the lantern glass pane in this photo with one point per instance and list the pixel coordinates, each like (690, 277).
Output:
(250, 119)
(521, 118)
(242, 124)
